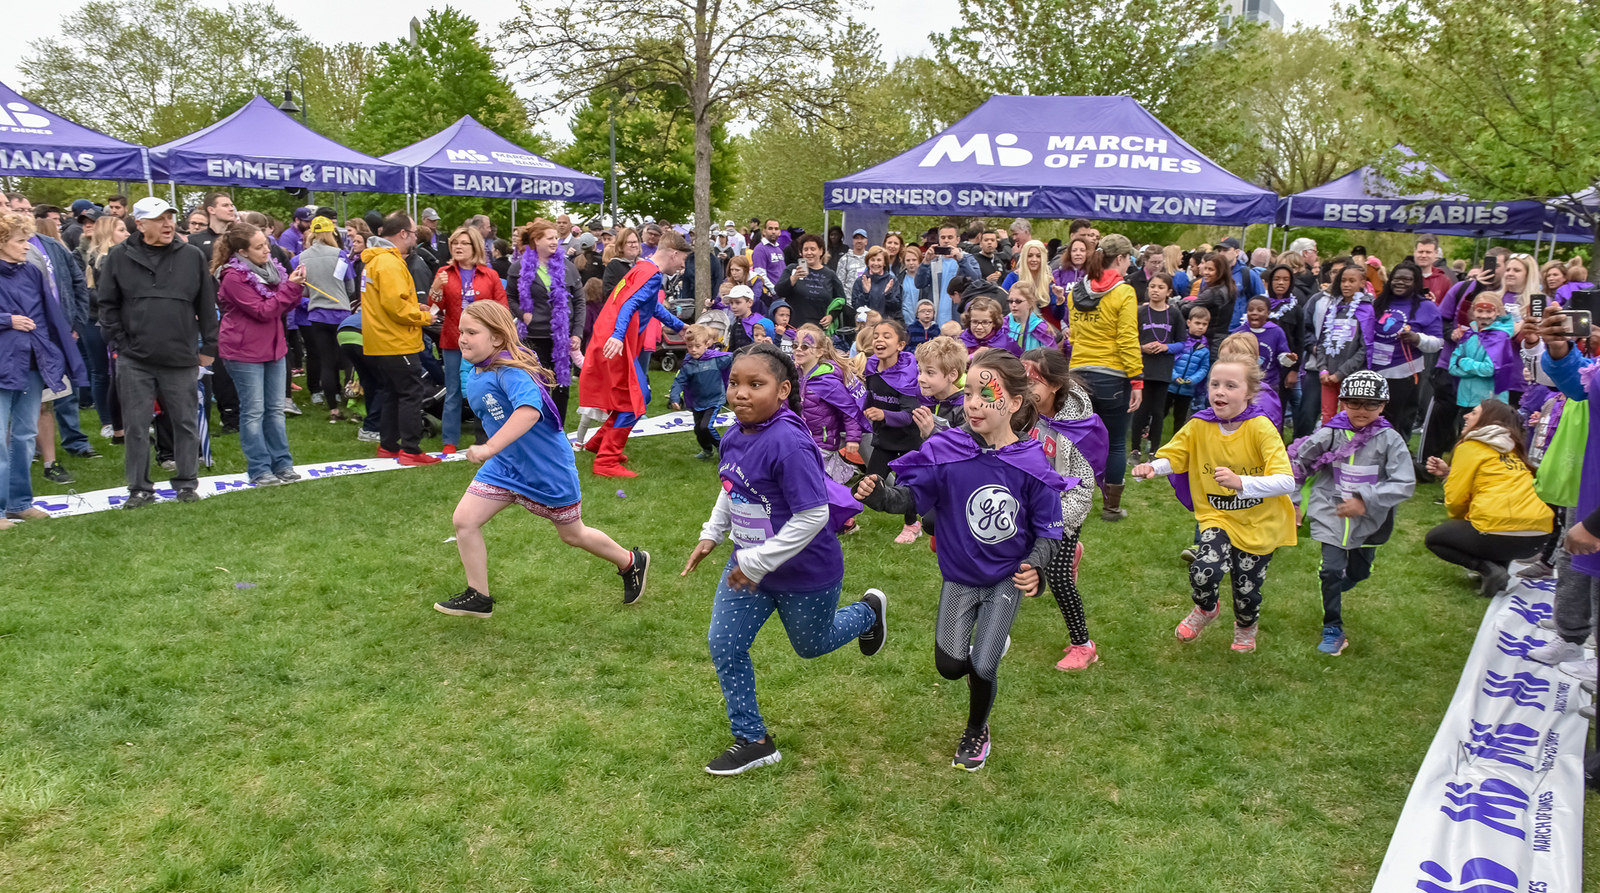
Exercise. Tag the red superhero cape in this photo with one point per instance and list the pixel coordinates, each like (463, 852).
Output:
(613, 384)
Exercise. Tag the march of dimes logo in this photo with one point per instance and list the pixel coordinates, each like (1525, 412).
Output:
(22, 118)
(992, 514)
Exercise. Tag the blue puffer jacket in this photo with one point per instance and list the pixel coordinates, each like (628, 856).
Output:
(1192, 366)
(705, 380)
(49, 345)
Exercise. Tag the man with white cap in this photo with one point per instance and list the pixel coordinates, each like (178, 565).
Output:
(854, 261)
(736, 243)
(158, 307)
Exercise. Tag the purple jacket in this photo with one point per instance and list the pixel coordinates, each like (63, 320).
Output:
(1575, 376)
(828, 409)
(252, 316)
(23, 292)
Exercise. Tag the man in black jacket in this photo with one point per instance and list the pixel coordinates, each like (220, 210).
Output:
(158, 306)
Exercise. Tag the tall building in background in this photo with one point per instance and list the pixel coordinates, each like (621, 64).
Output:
(1258, 12)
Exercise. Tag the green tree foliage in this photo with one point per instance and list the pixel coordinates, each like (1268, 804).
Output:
(149, 71)
(655, 153)
(421, 89)
(1502, 95)
(787, 158)
(1164, 53)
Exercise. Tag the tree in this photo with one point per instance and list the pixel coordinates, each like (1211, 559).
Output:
(1499, 94)
(1311, 123)
(149, 71)
(424, 87)
(722, 54)
(1167, 54)
(655, 152)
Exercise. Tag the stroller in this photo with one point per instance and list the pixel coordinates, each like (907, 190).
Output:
(672, 348)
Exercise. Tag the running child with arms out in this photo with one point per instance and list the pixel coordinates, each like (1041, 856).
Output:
(699, 386)
(1360, 470)
(1076, 443)
(775, 507)
(999, 509)
(526, 460)
(1231, 470)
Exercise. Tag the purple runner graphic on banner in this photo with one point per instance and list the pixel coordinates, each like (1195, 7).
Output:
(1495, 803)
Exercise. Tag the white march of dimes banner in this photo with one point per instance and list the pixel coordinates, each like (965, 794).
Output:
(1497, 806)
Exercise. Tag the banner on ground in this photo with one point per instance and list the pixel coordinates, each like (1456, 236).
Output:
(1497, 806)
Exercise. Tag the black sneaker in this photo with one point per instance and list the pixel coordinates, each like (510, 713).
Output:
(224, 431)
(138, 500)
(56, 473)
(633, 578)
(972, 750)
(744, 756)
(85, 453)
(471, 603)
(187, 494)
(288, 477)
(872, 640)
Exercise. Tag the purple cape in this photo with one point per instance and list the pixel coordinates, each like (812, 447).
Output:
(902, 377)
(1089, 436)
(1507, 362)
(956, 445)
(1180, 482)
(1000, 339)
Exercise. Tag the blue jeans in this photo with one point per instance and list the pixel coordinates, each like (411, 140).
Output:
(73, 440)
(94, 354)
(450, 424)
(20, 410)
(1110, 395)
(262, 434)
(814, 621)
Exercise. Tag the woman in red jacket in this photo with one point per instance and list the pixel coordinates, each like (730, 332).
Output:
(467, 278)
(255, 294)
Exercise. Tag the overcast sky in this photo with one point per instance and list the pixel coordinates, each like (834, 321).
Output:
(361, 20)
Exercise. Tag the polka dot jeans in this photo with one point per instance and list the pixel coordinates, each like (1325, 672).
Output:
(814, 621)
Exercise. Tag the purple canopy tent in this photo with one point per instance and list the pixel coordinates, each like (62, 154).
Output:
(469, 159)
(262, 147)
(1364, 199)
(1056, 157)
(36, 142)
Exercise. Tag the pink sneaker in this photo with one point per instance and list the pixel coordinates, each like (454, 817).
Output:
(1197, 621)
(1079, 657)
(910, 533)
(1244, 638)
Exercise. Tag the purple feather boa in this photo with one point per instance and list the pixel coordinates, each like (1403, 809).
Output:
(560, 308)
(1340, 453)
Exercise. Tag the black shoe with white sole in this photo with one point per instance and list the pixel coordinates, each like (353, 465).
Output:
(633, 579)
(872, 640)
(470, 603)
(744, 756)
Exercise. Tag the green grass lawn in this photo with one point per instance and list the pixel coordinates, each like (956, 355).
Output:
(325, 730)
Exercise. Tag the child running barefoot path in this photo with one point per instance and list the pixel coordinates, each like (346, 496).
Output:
(525, 461)
(1239, 492)
(774, 506)
(999, 506)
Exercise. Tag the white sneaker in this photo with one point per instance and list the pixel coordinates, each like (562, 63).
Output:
(366, 436)
(105, 431)
(1548, 623)
(1581, 669)
(1558, 652)
(316, 399)
(289, 408)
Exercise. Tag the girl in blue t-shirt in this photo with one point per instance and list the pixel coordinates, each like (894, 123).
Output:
(997, 499)
(775, 507)
(526, 460)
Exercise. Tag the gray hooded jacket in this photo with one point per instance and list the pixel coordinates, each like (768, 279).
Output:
(1379, 472)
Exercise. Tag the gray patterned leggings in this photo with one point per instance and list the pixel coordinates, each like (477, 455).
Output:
(970, 638)
(1215, 556)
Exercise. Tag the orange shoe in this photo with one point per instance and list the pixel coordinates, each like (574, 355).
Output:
(418, 459)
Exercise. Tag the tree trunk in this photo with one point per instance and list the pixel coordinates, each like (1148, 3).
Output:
(700, 100)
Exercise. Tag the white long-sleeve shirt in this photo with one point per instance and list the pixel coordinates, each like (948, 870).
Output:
(758, 561)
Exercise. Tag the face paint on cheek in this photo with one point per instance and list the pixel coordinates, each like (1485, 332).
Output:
(990, 391)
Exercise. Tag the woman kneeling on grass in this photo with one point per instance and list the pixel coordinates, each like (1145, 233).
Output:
(774, 506)
(526, 460)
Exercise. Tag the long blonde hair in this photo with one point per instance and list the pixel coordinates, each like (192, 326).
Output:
(826, 352)
(1040, 281)
(503, 330)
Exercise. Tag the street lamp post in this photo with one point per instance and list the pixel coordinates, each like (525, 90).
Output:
(290, 107)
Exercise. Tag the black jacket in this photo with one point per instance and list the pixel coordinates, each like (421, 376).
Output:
(158, 305)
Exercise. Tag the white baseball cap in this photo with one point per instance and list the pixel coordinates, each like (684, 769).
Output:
(150, 207)
(741, 291)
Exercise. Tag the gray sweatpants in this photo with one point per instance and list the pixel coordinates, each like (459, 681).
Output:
(139, 386)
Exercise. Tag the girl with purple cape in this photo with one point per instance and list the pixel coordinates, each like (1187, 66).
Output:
(997, 501)
(892, 395)
(776, 507)
(1075, 441)
(1243, 517)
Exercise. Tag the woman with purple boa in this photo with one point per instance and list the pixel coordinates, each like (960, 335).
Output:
(550, 314)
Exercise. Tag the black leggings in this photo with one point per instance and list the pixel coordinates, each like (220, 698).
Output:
(1065, 588)
(1179, 406)
(323, 361)
(1152, 412)
(1215, 556)
(545, 348)
(1401, 410)
(878, 464)
(1458, 542)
